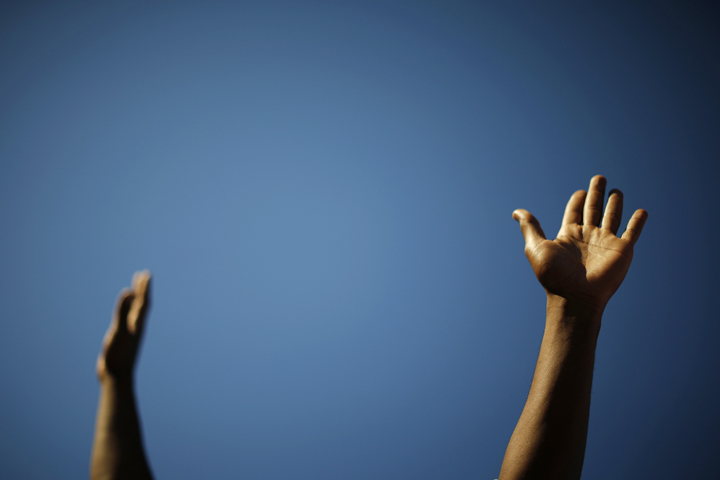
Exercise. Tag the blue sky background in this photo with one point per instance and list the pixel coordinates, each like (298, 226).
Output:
(323, 191)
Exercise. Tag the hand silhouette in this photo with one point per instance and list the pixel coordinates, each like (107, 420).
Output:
(587, 262)
(121, 342)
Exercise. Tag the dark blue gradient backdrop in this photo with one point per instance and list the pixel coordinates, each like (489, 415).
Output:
(323, 191)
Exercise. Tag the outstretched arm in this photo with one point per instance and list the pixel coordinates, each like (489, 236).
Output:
(580, 270)
(117, 451)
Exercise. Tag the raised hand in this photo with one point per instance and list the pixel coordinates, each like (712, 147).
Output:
(587, 261)
(117, 447)
(580, 270)
(122, 340)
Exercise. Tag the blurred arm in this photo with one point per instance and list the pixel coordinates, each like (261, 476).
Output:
(117, 451)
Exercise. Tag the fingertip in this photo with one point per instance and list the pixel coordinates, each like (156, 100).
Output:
(140, 280)
(578, 199)
(522, 216)
(125, 294)
(599, 183)
(137, 276)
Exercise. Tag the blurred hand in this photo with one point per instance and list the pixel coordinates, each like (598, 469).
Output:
(120, 346)
(587, 262)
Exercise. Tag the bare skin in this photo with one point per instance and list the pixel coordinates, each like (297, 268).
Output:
(580, 271)
(117, 448)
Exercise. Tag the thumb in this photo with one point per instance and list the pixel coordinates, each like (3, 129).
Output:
(530, 227)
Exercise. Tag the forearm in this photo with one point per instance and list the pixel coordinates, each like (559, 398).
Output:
(549, 439)
(117, 448)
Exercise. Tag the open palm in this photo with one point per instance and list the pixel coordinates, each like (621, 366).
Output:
(587, 261)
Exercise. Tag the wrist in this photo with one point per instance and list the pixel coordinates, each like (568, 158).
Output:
(112, 383)
(574, 315)
(575, 306)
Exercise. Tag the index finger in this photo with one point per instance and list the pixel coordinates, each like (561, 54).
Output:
(574, 209)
